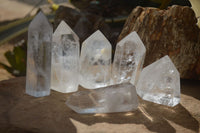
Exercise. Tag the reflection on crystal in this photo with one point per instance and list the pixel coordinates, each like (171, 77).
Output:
(128, 60)
(65, 59)
(95, 62)
(39, 57)
(160, 83)
(115, 98)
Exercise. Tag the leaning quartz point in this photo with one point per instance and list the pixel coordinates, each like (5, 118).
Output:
(38, 75)
(95, 62)
(115, 98)
(160, 83)
(128, 59)
(65, 59)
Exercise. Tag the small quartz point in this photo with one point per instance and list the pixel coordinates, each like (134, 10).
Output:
(128, 59)
(95, 62)
(115, 98)
(38, 75)
(65, 59)
(160, 83)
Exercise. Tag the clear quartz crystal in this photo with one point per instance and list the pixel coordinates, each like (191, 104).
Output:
(39, 57)
(95, 62)
(65, 59)
(160, 83)
(115, 98)
(128, 59)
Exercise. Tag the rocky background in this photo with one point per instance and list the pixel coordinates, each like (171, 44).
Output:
(21, 113)
(172, 32)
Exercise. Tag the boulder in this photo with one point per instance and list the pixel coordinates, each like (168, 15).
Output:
(172, 32)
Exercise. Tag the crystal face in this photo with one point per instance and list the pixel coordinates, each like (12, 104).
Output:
(115, 98)
(62, 29)
(39, 57)
(65, 59)
(160, 83)
(95, 62)
(128, 60)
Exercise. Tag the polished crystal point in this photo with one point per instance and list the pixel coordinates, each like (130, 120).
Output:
(115, 98)
(65, 59)
(128, 59)
(95, 62)
(63, 28)
(160, 83)
(38, 75)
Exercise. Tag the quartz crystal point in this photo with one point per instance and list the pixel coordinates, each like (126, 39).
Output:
(160, 83)
(95, 62)
(65, 59)
(38, 75)
(128, 59)
(115, 98)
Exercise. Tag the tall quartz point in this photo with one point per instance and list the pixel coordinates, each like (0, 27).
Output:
(160, 83)
(65, 59)
(95, 62)
(115, 98)
(128, 59)
(38, 75)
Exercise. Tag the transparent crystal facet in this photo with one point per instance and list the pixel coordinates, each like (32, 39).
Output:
(95, 62)
(128, 60)
(115, 98)
(160, 83)
(39, 57)
(65, 59)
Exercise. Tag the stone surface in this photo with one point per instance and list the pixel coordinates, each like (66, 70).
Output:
(160, 83)
(114, 98)
(10, 10)
(38, 75)
(172, 32)
(21, 113)
(65, 59)
(95, 62)
(128, 59)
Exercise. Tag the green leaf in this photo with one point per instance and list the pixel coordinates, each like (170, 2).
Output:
(9, 69)
(20, 58)
(11, 58)
(17, 61)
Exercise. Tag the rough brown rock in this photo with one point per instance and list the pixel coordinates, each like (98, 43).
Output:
(21, 113)
(170, 32)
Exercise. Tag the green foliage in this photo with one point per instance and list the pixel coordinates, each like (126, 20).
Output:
(17, 61)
